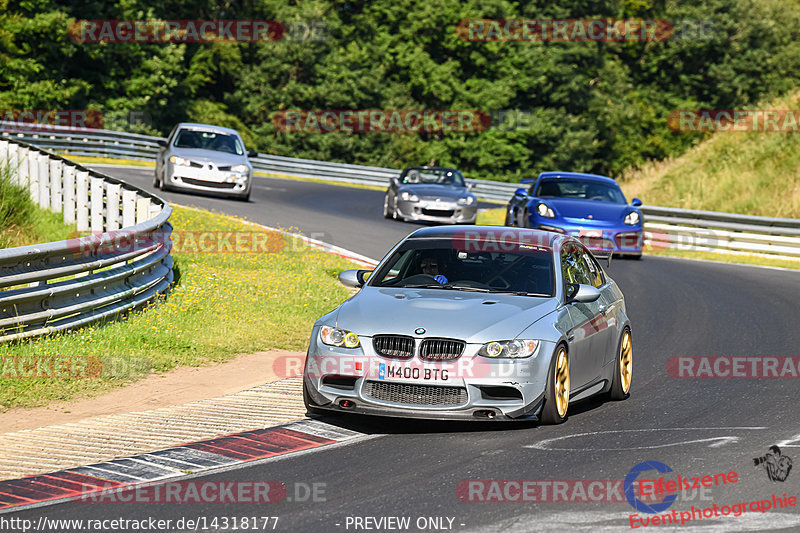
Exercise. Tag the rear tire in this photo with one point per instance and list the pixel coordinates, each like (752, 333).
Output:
(556, 397)
(623, 368)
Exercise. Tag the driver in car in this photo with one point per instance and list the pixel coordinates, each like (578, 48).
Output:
(430, 266)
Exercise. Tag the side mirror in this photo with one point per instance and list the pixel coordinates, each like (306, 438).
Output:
(252, 153)
(354, 278)
(520, 192)
(162, 143)
(582, 293)
(395, 182)
(636, 202)
(471, 186)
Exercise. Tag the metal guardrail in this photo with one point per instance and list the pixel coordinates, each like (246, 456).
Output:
(123, 264)
(118, 144)
(681, 229)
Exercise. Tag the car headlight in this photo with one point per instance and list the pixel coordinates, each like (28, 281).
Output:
(407, 196)
(514, 348)
(467, 200)
(632, 218)
(338, 337)
(175, 160)
(239, 168)
(545, 211)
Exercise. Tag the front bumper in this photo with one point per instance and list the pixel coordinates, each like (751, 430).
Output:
(446, 213)
(475, 388)
(200, 179)
(627, 240)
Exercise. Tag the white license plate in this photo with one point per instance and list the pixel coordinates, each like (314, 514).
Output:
(394, 371)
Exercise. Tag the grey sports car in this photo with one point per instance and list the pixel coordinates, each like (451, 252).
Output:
(202, 157)
(478, 323)
(432, 194)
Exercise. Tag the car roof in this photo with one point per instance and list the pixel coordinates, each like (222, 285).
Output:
(430, 168)
(581, 175)
(207, 127)
(490, 232)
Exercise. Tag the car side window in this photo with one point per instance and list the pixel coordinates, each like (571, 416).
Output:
(595, 272)
(574, 268)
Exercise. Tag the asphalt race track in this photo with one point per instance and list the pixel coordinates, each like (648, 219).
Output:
(413, 468)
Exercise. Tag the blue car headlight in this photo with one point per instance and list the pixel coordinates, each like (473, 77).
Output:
(545, 211)
(338, 337)
(516, 348)
(632, 218)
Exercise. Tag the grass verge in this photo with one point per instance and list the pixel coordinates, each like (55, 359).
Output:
(97, 160)
(752, 173)
(223, 304)
(22, 222)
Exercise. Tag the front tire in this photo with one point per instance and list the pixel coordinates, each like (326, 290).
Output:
(556, 397)
(386, 213)
(623, 368)
(156, 182)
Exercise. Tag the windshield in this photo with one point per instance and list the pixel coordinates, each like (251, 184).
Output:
(209, 140)
(434, 176)
(438, 264)
(583, 189)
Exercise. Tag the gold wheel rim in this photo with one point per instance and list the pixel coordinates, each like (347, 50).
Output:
(625, 362)
(562, 383)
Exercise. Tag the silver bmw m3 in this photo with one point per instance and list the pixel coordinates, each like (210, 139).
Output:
(478, 323)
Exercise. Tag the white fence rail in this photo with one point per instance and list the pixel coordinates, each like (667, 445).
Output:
(62, 285)
(665, 227)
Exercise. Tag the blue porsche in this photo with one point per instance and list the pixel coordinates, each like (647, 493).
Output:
(587, 206)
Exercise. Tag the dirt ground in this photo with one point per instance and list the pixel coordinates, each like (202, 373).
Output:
(179, 386)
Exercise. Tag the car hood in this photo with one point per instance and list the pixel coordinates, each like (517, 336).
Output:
(207, 156)
(579, 208)
(439, 191)
(471, 316)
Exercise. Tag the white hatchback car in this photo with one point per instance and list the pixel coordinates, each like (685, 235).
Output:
(202, 157)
